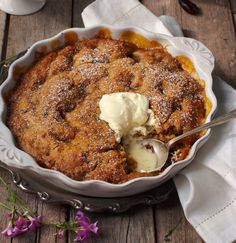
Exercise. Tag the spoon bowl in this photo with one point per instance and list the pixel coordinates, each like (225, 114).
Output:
(160, 149)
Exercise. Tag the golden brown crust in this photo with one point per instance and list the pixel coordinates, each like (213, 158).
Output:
(54, 112)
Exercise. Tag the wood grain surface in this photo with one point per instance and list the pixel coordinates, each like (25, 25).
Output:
(214, 27)
(3, 30)
(233, 9)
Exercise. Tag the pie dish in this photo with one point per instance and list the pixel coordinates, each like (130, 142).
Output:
(199, 55)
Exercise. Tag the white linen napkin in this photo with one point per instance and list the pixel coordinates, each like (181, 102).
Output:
(207, 187)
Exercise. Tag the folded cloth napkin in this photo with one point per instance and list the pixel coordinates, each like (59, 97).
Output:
(207, 187)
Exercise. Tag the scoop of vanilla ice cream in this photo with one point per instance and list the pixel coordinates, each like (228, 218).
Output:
(126, 112)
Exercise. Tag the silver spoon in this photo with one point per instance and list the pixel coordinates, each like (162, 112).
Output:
(162, 149)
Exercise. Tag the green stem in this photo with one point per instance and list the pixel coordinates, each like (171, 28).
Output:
(1, 180)
(14, 198)
(51, 225)
(5, 206)
(71, 226)
(13, 214)
(26, 210)
(169, 232)
(8, 60)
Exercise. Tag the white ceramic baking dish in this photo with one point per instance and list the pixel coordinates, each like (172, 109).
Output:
(13, 157)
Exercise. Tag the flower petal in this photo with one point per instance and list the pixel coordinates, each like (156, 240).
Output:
(11, 231)
(93, 227)
(35, 223)
(80, 214)
(82, 235)
(22, 224)
(7, 231)
(8, 214)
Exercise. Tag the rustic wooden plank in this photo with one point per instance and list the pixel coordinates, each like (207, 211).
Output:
(35, 27)
(233, 6)
(54, 17)
(3, 30)
(78, 7)
(51, 214)
(135, 225)
(168, 214)
(3, 222)
(214, 27)
(233, 9)
(31, 202)
(141, 225)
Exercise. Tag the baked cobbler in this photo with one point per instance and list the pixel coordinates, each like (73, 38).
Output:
(54, 110)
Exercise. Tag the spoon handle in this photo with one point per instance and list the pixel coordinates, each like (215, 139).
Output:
(215, 122)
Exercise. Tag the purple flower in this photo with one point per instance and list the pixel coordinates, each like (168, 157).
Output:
(22, 225)
(35, 223)
(86, 231)
(84, 221)
(80, 217)
(85, 227)
(11, 231)
(8, 231)
(82, 235)
(93, 228)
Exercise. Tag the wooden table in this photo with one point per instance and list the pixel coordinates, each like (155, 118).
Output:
(214, 27)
